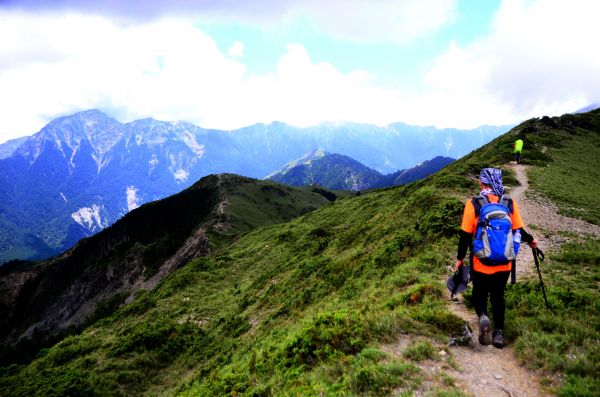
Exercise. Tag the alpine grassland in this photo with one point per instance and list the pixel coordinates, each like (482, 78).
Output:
(304, 308)
(563, 341)
(572, 178)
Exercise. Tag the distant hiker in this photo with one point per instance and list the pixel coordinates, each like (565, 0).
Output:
(518, 150)
(497, 237)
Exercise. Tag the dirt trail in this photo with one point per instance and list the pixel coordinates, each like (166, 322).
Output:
(485, 370)
(538, 211)
(490, 372)
(542, 213)
(482, 366)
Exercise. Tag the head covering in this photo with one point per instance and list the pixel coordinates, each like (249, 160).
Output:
(493, 178)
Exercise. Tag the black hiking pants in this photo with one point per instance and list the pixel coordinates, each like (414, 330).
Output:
(491, 285)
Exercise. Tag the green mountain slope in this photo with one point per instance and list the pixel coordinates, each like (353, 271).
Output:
(572, 178)
(302, 308)
(43, 301)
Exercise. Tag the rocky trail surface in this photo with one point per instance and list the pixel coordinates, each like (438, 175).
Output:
(485, 371)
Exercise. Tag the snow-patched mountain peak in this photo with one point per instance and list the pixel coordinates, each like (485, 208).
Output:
(67, 133)
(92, 134)
(99, 129)
(151, 132)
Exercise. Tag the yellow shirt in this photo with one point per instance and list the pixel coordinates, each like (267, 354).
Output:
(518, 146)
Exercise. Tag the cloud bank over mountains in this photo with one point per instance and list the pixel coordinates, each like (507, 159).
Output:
(535, 58)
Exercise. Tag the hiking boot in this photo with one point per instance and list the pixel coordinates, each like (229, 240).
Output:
(498, 338)
(485, 330)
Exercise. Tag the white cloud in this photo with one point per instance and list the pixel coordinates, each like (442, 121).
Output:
(236, 50)
(163, 69)
(305, 93)
(166, 69)
(538, 58)
(394, 21)
(52, 64)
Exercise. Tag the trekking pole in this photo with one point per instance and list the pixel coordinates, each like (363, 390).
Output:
(536, 251)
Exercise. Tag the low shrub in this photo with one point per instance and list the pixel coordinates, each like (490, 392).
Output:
(419, 351)
(328, 334)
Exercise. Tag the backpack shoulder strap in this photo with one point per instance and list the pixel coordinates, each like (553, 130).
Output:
(478, 202)
(507, 201)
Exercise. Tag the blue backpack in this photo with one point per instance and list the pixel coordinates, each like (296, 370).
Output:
(495, 243)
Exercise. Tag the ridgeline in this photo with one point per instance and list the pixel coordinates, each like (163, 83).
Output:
(303, 307)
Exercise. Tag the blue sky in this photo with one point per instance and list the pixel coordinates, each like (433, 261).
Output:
(227, 64)
(386, 59)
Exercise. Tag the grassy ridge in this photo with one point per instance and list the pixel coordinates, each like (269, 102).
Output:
(290, 300)
(133, 249)
(565, 339)
(302, 308)
(572, 179)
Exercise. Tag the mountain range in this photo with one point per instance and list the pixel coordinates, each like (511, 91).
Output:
(8, 148)
(336, 171)
(588, 108)
(82, 172)
(239, 286)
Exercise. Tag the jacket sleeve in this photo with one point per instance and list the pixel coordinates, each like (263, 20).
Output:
(464, 243)
(526, 237)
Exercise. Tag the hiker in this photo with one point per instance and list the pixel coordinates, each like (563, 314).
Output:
(518, 149)
(490, 278)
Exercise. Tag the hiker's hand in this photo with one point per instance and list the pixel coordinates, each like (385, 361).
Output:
(459, 263)
(534, 243)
